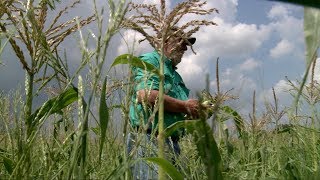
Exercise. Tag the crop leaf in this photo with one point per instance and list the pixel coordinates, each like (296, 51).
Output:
(136, 62)
(104, 116)
(8, 164)
(166, 166)
(55, 105)
(237, 119)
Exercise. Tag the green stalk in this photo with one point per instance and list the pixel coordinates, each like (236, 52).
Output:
(314, 140)
(161, 90)
(313, 117)
(161, 111)
(28, 104)
(115, 19)
(28, 112)
(126, 107)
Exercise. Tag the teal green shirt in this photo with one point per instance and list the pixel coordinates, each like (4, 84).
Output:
(173, 87)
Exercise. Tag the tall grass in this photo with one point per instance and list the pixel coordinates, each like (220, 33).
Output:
(43, 64)
(70, 135)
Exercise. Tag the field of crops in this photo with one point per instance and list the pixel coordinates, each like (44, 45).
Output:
(80, 130)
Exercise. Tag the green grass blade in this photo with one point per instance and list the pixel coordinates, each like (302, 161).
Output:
(174, 127)
(167, 167)
(312, 33)
(284, 128)
(311, 3)
(56, 104)
(134, 61)
(104, 116)
(207, 148)
(237, 119)
(8, 164)
(119, 171)
(2, 47)
(312, 39)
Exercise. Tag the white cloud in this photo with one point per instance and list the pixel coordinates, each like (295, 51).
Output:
(249, 64)
(168, 2)
(284, 47)
(241, 86)
(282, 86)
(235, 78)
(281, 89)
(193, 71)
(289, 29)
(130, 43)
(231, 40)
(227, 9)
(278, 11)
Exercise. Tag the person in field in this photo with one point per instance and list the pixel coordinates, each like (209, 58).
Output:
(143, 107)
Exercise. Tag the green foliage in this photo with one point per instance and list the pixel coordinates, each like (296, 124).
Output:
(135, 62)
(205, 142)
(55, 105)
(8, 164)
(103, 116)
(207, 148)
(284, 151)
(239, 122)
(167, 167)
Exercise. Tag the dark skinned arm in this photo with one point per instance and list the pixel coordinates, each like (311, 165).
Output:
(189, 106)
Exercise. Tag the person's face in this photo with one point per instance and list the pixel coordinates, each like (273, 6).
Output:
(175, 48)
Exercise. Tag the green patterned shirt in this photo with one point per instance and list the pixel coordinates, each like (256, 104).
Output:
(173, 87)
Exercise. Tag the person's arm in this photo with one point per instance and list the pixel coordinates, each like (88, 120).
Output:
(190, 106)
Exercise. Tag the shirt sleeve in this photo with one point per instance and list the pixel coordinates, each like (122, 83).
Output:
(145, 79)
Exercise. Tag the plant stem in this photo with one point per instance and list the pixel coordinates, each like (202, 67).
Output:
(28, 121)
(161, 111)
(28, 104)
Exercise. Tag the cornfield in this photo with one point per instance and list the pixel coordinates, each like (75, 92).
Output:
(80, 130)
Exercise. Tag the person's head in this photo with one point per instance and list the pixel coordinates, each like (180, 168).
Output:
(176, 45)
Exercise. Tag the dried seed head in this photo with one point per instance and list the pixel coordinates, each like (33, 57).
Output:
(155, 18)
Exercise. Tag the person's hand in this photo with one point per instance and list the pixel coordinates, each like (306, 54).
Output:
(192, 108)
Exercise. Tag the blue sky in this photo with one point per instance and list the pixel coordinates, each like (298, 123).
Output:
(258, 43)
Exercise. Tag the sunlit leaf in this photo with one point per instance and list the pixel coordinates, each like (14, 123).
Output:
(104, 116)
(167, 167)
(136, 62)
